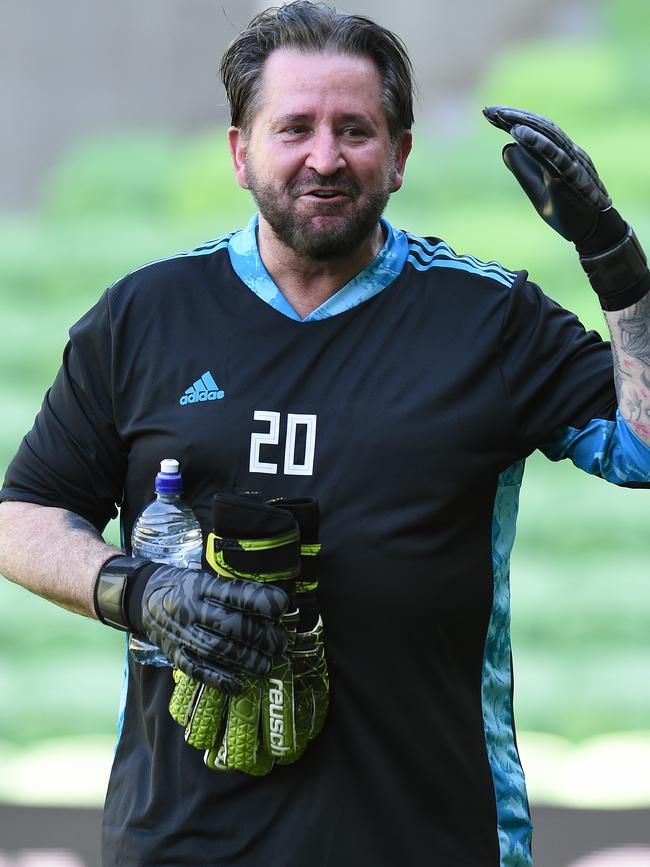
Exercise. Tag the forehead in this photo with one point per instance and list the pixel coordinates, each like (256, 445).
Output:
(295, 82)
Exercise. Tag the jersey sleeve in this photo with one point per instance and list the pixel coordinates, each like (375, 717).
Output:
(73, 457)
(609, 449)
(560, 380)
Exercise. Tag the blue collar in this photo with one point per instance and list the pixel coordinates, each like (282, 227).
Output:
(387, 265)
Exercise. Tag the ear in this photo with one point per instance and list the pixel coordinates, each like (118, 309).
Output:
(237, 144)
(402, 151)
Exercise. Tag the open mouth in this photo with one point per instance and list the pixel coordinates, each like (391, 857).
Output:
(326, 197)
(325, 194)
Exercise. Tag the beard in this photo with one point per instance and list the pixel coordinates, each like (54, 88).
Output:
(299, 231)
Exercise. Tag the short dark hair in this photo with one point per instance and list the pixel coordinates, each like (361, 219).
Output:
(316, 27)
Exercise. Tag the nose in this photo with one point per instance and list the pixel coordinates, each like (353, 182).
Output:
(325, 156)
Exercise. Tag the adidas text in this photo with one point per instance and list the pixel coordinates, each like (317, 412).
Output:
(198, 397)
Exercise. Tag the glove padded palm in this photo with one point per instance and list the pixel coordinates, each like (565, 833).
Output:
(557, 176)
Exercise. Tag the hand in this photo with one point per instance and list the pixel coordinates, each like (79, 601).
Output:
(212, 628)
(557, 176)
(562, 183)
(273, 719)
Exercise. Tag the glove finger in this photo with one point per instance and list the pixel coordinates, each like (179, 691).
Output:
(241, 749)
(504, 117)
(219, 651)
(317, 678)
(206, 722)
(183, 697)
(554, 200)
(215, 759)
(582, 180)
(584, 158)
(240, 641)
(303, 709)
(547, 130)
(529, 173)
(497, 115)
(512, 120)
(311, 675)
(542, 146)
(215, 652)
(262, 600)
(508, 119)
(218, 678)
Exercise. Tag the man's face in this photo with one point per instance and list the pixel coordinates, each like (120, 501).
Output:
(318, 159)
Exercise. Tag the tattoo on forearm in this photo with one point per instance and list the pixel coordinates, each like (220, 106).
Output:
(617, 367)
(635, 332)
(631, 354)
(76, 522)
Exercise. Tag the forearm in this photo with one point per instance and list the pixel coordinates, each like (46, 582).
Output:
(630, 336)
(52, 552)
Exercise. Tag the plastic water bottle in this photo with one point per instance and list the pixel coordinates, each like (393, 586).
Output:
(167, 531)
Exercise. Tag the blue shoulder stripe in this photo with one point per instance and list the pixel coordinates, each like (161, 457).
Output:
(204, 249)
(423, 255)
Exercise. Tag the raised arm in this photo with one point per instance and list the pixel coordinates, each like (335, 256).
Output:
(560, 180)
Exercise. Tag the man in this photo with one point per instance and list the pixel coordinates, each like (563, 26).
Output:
(400, 384)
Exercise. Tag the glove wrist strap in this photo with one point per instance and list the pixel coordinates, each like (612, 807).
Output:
(619, 275)
(271, 559)
(118, 577)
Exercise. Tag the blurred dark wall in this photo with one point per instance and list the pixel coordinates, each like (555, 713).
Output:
(69, 837)
(71, 68)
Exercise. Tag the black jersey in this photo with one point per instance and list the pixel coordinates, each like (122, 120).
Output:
(407, 405)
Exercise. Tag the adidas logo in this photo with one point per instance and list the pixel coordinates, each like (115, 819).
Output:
(203, 389)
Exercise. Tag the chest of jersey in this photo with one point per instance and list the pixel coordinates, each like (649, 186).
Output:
(400, 390)
(382, 413)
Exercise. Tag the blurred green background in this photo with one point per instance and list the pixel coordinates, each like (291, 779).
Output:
(581, 596)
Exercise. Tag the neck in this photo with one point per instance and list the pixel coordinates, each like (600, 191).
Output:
(307, 283)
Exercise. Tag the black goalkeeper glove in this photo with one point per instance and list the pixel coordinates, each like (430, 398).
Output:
(560, 180)
(211, 628)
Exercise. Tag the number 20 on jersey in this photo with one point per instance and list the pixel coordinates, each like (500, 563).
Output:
(300, 429)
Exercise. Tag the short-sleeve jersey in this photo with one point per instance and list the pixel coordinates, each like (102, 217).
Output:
(406, 405)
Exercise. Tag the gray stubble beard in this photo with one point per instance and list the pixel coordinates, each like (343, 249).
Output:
(322, 245)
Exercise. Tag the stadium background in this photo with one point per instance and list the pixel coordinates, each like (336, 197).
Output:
(113, 154)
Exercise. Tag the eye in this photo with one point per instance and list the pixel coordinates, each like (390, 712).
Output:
(354, 132)
(294, 131)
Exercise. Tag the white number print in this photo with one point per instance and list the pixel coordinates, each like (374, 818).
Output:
(259, 439)
(294, 465)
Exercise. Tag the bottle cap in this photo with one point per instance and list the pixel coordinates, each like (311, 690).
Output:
(169, 479)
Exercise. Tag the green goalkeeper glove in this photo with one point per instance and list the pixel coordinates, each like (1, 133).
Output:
(562, 183)
(255, 542)
(271, 719)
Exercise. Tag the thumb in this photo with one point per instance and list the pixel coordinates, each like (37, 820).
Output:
(529, 173)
